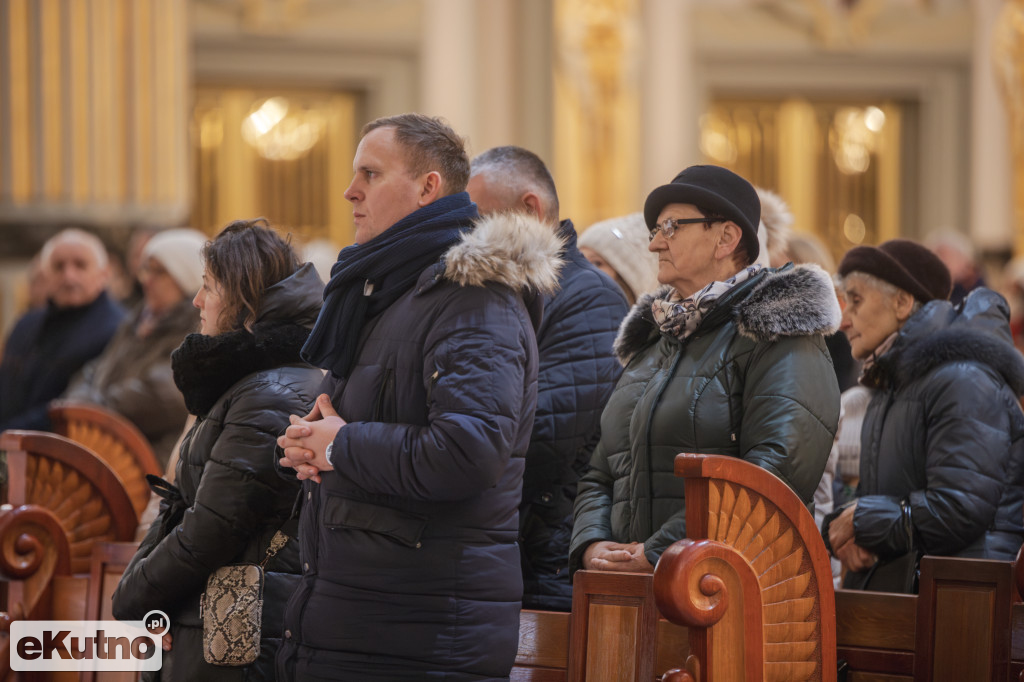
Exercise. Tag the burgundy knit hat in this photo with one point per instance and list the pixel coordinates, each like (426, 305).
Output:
(904, 264)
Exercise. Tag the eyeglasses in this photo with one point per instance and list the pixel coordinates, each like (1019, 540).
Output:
(668, 226)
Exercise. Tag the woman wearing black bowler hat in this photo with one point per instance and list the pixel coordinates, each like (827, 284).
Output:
(727, 358)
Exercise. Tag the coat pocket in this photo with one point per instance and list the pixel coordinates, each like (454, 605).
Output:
(384, 407)
(401, 526)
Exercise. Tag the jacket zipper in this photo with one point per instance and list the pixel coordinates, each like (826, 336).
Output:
(647, 434)
(430, 385)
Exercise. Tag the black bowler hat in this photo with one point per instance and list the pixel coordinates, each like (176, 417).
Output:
(716, 190)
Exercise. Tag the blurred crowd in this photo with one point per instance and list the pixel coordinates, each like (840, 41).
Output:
(475, 387)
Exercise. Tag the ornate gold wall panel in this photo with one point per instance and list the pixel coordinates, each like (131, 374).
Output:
(282, 154)
(93, 111)
(597, 108)
(838, 164)
(1008, 60)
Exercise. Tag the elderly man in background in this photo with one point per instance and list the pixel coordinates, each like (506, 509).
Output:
(133, 375)
(49, 344)
(576, 375)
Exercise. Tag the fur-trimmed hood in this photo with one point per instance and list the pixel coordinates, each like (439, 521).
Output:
(791, 301)
(513, 249)
(939, 334)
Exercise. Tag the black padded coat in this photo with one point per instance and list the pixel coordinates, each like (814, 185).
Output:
(944, 434)
(242, 386)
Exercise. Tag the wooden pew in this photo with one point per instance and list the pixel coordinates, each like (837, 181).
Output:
(78, 487)
(960, 625)
(966, 623)
(753, 582)
(116, 440)
(109, 560)
(544, 644)
(34, 551)
(63, 500)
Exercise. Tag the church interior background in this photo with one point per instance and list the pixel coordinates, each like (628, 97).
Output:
(872, 118)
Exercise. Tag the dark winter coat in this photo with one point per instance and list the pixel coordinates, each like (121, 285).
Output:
(754, 380)
(413, 568)
(944, 433)
(45, 349)
(577, 374)
(242, 386)
(133, 377)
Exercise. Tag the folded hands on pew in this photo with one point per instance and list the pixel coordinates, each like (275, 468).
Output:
(616, 556)
(841, 537)
(305, 441)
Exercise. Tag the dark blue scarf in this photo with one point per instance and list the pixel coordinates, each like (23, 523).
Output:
(391, 262)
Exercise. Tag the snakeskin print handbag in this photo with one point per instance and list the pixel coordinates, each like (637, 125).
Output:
(232, 609)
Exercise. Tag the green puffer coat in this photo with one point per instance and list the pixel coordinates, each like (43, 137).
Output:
(754, 380)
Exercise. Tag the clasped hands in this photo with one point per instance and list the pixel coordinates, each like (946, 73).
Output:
(306, 439)
(616, 556)
(841, 537)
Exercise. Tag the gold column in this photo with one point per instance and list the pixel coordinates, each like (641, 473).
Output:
(1008, 60)
(93, 111)
(597, 111)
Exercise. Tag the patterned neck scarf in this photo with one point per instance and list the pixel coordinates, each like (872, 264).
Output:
(681, 316)
(870, 376)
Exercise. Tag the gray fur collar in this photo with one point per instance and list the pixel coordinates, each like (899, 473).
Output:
(790, 301)
(958, 344)
(513, 249)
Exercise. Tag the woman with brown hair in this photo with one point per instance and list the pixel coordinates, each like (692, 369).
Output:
(241, 376)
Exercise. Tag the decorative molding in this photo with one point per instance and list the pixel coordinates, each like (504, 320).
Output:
(93, 103)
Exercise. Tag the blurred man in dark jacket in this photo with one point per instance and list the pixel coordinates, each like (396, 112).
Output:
(576, 375)
(49, 344)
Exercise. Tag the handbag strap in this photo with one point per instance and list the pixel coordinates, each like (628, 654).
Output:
(279, 540)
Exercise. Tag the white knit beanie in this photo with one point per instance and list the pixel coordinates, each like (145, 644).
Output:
(622, 243)
(179, 251)
(775, 227)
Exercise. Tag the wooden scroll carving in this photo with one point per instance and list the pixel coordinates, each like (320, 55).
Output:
(115, 440)
(79, 488)
(33, 550)
(752, 582)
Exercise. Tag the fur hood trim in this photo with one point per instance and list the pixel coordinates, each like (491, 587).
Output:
(513, 249)
(798, 301)
(958, 345)
(791, 301)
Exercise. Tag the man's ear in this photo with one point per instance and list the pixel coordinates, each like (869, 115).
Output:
(728, 240)
(431, 189)
(533, 204)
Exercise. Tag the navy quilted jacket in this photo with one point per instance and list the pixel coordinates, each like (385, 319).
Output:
(944, 434)
(577, 374)
(410, 562)
(47, 347)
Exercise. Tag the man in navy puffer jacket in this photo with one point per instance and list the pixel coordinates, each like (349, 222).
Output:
(575, 378)
(414, 454)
